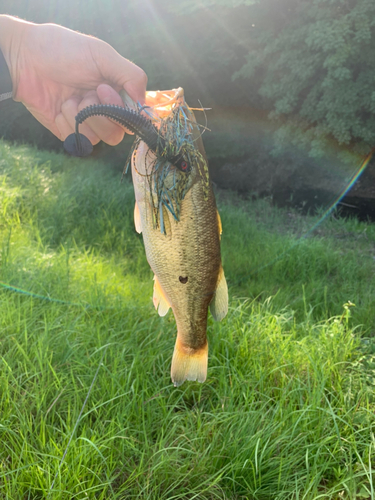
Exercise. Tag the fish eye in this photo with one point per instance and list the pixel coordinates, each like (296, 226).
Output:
(184, 165)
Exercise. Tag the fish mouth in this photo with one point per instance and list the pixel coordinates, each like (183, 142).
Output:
(161, 103)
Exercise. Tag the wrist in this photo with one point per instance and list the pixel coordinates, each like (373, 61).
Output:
(12, 32)
(6, 84)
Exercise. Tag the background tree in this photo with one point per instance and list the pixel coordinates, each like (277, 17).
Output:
(308, 64)
(318, 70)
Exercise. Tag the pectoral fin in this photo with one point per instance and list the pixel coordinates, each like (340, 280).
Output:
(219, 302)
(137, 218)
(159, 299)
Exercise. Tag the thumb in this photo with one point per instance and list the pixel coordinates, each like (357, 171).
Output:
(136, 90)
(121, 72)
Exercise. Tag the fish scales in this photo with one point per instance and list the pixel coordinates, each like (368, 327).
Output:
(185, 259)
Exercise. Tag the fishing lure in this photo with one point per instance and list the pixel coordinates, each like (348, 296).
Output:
(78, 145)
(172, 141)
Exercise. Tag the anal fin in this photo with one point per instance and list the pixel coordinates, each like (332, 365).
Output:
(188, 364)
(159, 299)
(219, 302)
(137, 218)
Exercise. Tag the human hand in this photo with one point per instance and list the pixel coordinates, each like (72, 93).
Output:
(56, 72)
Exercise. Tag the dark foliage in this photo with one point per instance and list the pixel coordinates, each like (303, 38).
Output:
(307, 62)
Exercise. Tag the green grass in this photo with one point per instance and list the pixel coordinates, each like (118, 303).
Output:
(287, 411)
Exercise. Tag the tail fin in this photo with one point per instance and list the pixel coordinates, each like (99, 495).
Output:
(188, 364)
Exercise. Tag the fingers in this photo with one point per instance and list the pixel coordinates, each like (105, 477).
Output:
(103, 128)
(63, 127)
(66, 122)
(96, 128)
(108, 95)
(110, 67)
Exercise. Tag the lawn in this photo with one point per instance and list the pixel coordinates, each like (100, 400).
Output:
(87, 408)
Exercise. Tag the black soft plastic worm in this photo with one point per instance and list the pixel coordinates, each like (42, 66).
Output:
(79, 145)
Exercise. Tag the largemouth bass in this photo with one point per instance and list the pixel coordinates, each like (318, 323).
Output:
(181, 234)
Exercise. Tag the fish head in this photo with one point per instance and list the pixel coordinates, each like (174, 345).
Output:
(168, 172)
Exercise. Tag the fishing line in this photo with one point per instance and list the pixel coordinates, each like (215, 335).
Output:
(77, 421)
(329, 210)
(41, 297)
(14, 289)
